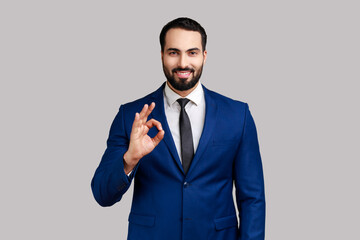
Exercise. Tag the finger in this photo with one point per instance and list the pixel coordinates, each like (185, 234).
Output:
(136, 122)
(144, 111)
(152, 122)
(150, 109)
(159, 136)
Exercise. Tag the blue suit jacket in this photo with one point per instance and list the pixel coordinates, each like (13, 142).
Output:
(169, 205)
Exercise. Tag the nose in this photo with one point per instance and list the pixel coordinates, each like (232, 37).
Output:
(183, 61)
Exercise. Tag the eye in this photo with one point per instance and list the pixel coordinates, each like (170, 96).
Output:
(173, 53)
(193, 53)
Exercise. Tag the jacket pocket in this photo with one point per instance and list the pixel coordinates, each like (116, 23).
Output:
(225, 222)
(147, 221)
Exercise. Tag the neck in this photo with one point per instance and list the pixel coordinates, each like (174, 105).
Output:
(183, 93)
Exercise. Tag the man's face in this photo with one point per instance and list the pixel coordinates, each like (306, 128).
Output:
(183, 58)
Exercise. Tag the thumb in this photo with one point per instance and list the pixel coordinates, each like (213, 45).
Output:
(159, 136)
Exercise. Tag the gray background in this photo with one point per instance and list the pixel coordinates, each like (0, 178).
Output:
(66, 66)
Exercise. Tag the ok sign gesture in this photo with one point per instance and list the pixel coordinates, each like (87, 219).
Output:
(141, 143)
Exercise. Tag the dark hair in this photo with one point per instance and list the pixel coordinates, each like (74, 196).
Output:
(186, 24)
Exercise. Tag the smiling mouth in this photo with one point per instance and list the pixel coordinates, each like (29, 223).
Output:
(183, 74)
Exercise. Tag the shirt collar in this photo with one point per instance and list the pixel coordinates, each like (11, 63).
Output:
(195, 96)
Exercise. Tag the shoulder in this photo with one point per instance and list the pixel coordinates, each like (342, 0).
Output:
(138, 104)
(224, 102)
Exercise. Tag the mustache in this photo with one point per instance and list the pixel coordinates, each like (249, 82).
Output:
(183, 69)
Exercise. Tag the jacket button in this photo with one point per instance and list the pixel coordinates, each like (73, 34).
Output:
(186, 184)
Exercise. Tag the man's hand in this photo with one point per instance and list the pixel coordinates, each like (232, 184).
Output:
(140, 143)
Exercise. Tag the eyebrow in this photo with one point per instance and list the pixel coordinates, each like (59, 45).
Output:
(178, 50)
(193, 49)
(173, 49)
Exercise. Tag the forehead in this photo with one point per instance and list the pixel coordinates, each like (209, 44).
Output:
(182, 39)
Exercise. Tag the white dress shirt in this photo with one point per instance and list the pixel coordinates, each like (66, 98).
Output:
(195, 109)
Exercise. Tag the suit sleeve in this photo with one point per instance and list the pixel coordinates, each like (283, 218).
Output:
(249, 183)
(110, 181)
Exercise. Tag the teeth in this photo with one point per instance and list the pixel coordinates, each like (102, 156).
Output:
(183, 73)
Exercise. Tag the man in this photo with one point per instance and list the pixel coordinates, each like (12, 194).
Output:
(186, 148)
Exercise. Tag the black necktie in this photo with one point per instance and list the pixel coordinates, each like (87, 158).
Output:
(187, 147)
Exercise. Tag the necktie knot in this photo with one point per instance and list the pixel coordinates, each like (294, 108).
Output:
(183, 102)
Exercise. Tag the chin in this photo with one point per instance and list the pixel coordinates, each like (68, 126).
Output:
(183, 84)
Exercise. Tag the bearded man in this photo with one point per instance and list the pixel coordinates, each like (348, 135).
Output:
(186, 147)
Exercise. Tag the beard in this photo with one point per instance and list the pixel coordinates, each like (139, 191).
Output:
(182, 84)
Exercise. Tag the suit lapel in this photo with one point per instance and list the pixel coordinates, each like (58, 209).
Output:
(159, 114)
(209, 126)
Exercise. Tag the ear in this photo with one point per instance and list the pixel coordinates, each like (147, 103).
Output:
(205, 56)
(162, 55)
